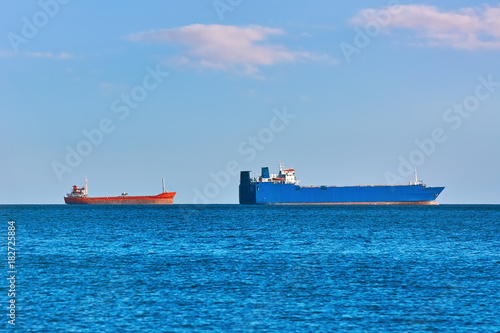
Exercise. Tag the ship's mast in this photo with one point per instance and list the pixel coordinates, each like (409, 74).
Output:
(86, 188)
(416, 181)
(163, 185)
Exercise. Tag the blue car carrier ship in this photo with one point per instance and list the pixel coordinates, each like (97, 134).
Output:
(284, 189)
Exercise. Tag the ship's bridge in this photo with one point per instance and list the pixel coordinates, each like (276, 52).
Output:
(288, 176)
(285, 176)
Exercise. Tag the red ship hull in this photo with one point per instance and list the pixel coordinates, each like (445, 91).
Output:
(166, 198)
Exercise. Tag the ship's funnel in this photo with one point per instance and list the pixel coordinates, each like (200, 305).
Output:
(265, 172)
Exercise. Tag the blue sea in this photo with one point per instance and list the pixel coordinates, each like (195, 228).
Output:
(232, 268)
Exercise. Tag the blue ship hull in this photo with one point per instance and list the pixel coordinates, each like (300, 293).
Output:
(253, 191)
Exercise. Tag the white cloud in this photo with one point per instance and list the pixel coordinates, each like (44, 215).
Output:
(224, 47)
(466, 28)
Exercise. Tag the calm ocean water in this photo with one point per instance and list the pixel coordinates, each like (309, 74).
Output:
(246, 268)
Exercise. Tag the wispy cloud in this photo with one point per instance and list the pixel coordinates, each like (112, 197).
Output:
(6, 54)
(49, 55)
(108, 88)
(467, 28)
(46, 55)
(224, 47)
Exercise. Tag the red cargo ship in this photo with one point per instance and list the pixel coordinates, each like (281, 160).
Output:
(80, 196)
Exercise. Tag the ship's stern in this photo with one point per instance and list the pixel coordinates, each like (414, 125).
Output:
(246, 189)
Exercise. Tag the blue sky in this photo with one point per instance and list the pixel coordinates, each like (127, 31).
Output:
(127, 93)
